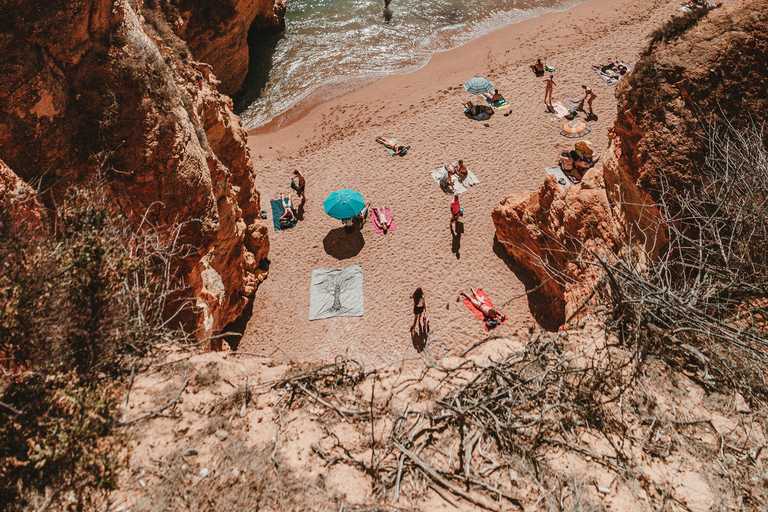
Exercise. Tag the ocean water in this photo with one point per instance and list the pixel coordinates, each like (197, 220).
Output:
(330, 47)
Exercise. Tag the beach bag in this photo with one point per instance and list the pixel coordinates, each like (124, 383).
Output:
(285, 224)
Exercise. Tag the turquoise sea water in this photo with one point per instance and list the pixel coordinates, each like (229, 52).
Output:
(330, 47)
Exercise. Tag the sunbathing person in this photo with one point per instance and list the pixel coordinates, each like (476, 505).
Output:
(399, 149)
(491, 316)
(288, 217)
(495, 97)
(565, 161)
(459, 169)
(446, 180)
(476, 110)
(381, 215)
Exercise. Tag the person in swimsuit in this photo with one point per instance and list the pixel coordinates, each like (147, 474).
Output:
(476, 110)
(589, 96)
(491, 316)
(455, 209)
(381, 215)
(458, 168)
(399, 149)
(420, 315)
(493, 98)
(548, 92)
(298, 184)
(288, 216)
(538, 68)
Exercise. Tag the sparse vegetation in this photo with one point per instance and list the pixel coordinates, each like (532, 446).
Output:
(78, 308)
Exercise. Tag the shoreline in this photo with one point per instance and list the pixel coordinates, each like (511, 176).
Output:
(322, 94)
(333, 145)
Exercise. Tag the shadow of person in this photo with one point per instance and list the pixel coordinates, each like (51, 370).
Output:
(342, 244)
(540, 306)
(300, 211)
(419, 339)
(591, 117)
(387, 15)
(457, 229)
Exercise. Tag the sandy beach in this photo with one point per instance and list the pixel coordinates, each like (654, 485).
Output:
(333, 145)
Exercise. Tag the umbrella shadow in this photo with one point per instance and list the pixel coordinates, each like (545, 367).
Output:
(343, 244)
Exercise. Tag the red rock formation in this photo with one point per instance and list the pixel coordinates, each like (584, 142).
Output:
(19, 204)
(549, 232)
(217, 33)
(713, 69)
(104, 90)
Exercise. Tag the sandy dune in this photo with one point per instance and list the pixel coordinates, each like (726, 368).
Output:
(334, 147)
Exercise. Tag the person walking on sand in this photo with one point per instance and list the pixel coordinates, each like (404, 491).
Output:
(420, 315)
(589, 96)
(298, 184)
(455, 209)
(548, 93)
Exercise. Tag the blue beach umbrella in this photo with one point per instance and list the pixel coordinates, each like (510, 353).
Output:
(478, 85)
(344, 204)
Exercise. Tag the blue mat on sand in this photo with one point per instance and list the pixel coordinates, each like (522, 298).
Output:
(277, 212)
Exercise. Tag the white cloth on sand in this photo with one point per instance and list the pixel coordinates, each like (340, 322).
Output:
(459, 186)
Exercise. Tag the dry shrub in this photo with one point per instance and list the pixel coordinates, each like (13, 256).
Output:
(78, 308)
(239, 478)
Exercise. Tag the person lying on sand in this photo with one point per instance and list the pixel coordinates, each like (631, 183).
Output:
(446, 181)
(565, 161)
(381, 215)
(492, 317)
(400, 149)
(288, 215)
(476, 110)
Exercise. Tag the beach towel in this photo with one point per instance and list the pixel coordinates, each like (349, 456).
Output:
(459, 186)
(611, 79)
(498, 104)
(561, 111)
(549, 68)
(575, 104)
(481, 296)
(336, 292)
(277, 212)
(559, 175)
(375, 221)
(391, 152)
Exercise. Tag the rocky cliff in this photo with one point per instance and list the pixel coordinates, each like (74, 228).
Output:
(695, 72)
(104, 93)
(217, 33)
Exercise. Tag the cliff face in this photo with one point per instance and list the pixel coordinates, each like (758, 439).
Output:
(103, 91)
(693, 72)
(217, 33)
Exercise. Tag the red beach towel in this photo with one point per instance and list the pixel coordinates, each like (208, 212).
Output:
(375, 221)
(480, 294)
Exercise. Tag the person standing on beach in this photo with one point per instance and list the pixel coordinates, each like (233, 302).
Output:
(548, 93)
(420, 316)
(298, 184)
(589, 96)
(455, 209)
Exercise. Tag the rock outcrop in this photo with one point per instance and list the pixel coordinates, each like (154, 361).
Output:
(105, 92)
(19, 206)
(217, 33)
(692, 74)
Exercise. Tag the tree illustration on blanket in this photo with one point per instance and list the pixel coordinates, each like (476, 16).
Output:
(334, 286)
